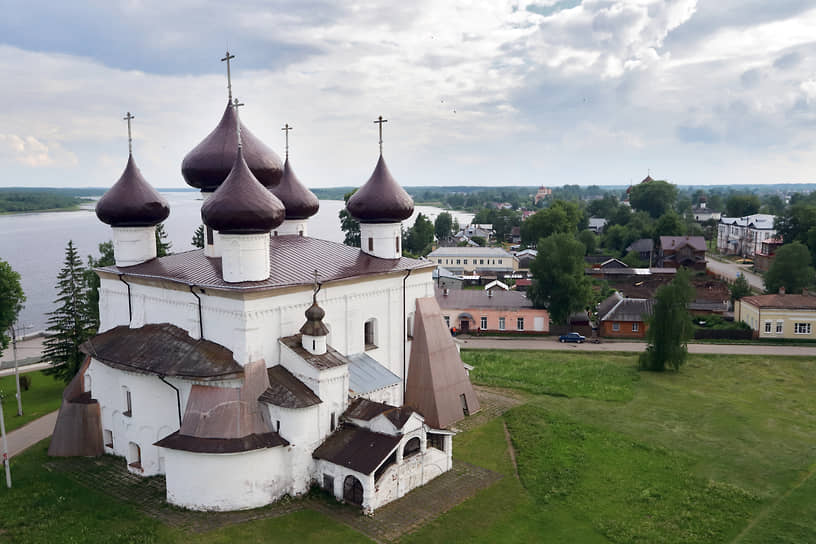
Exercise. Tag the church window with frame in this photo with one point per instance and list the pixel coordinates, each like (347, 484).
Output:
(370, 334)
(134, 456)
(128, 402)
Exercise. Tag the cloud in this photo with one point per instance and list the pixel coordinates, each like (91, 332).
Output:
(29, 151)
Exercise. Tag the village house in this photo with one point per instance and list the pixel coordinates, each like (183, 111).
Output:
(644, 247)
(621, 317)
(269, 361)
(490, 261)
(779, 315)
(702, 213)
(744, 235)
(682, 251)
(763, 259)
(491, 310)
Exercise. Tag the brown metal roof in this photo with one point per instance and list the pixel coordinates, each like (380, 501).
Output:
(697, 243)
(332, 358)
(177, 441)
(630, 309)
(162, 349)
(293, 260)
(786, 302)
(460, 299)
(380, 199)
(299, 201)
(436, 376)
(210, 162)
(366, 410)
(132, 202)
(356, 448)
(286, 391)
(241, 205)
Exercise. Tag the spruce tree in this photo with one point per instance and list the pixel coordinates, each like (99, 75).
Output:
(163, 245)
(70, 324)
(92, 282)
(198, 237)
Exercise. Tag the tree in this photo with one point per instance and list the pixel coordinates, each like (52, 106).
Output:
(70, 324)
(790, 269)
(742, 204)
(11, 301)
(92, 282)
(443, 226)
(655, 197)
(772, 204)
(559, 281)
(163, 245)
(198, 237)
(605, 206)
(560, 217)
(740, 288)
(632, 259)
(419, 237)
(669, 224)
(589, 239)
(349, 225)
(669, 325)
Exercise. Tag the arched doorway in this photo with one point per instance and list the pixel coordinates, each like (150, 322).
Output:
(353, 490)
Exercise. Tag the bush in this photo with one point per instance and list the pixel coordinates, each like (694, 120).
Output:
(25, 382)
(723, 334)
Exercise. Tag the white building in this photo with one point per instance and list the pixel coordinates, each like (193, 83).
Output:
(479, 260)
(744, 235)
(268, 361)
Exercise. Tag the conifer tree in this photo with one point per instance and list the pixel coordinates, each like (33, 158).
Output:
(198, 237)
(106, 258)
(163, 245)
(70, 324)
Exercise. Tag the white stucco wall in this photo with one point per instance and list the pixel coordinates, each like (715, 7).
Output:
(236, 481)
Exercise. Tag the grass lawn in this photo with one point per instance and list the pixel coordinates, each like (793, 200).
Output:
(43, 397)
(723, 451)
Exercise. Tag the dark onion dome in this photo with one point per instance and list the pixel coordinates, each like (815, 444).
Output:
(132, 202)
(381, 199)
(241, 205)
(299, 201)
(314, 321)
(210, 162)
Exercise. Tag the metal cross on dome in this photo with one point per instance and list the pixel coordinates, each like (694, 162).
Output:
(129, 117)
(227, 58)
(236, 105)
(286, 128)
(317, 285)
(380, 122)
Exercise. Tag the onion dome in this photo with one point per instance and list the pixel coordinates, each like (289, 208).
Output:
(314, 321)
(381, 199)
(210, 162)
(241, 205)
(132, 202)
(299, 201)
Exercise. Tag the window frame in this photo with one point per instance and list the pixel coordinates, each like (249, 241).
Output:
(502, 324)
(483, 322)
(519, 323)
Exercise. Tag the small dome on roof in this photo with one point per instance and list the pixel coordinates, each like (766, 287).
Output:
(210, 162)
(132, 202)
(314, 321)
(241, 205)
(299, 201)
(381, 199)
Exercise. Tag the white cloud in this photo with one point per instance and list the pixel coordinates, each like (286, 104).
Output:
(30, 151)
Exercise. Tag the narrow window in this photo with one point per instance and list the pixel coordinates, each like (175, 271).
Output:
(397, 242)
(463, 399)
(300, 233)
(275, 233)
(128, 404)
(134, 456)
(314, 345)
(501, 323)
(483, 324)
(409, 326)
(767, 326)
(465, 261)
(371, 244)
(520, 323)
(779, 327)
(209, 236)
(369, 331)
(447, 321)
(108, 436)
(635, 327)
(277, 426)
(333, 421)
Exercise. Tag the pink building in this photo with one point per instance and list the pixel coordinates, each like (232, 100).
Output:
(495, 310)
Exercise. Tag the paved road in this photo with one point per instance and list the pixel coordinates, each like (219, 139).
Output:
(23, 369)
(552, 343)
(26, 349)
(28, 435)
(730, 270)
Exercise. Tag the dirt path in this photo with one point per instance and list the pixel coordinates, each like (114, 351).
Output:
(511, 449)
(26, 436)
(768, 509)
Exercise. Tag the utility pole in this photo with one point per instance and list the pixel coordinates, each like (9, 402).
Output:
(5, 446)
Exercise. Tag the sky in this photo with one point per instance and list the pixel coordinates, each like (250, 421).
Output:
(486, 92)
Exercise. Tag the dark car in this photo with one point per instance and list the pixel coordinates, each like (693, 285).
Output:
(572, 337)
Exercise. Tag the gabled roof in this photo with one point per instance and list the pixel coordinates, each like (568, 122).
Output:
(332, 358)
(459, 299)
(366, 375)
(630, 309)
(697, 243)
(761, 221)
(286, 391)
(642, 245)
(359, 449)
(496, 252)
(608, 303)
(162, 349)
(783, 302)
(436, 380)
(366, 410)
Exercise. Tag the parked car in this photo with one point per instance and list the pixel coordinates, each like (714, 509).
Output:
(572, 337)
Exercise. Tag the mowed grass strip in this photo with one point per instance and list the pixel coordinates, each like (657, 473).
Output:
(44, 396)
(590, 375)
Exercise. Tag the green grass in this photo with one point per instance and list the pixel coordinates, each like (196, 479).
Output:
(48, 507)
(44, 396)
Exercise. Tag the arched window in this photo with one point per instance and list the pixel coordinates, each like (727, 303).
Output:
(353, 490)
(409, 326)
(412, 447)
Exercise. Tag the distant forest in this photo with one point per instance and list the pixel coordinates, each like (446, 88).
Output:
(16, 200)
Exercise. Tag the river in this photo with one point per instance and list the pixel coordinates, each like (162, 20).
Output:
(34, 243)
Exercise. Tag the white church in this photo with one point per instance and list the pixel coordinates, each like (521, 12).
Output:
(269, 361)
